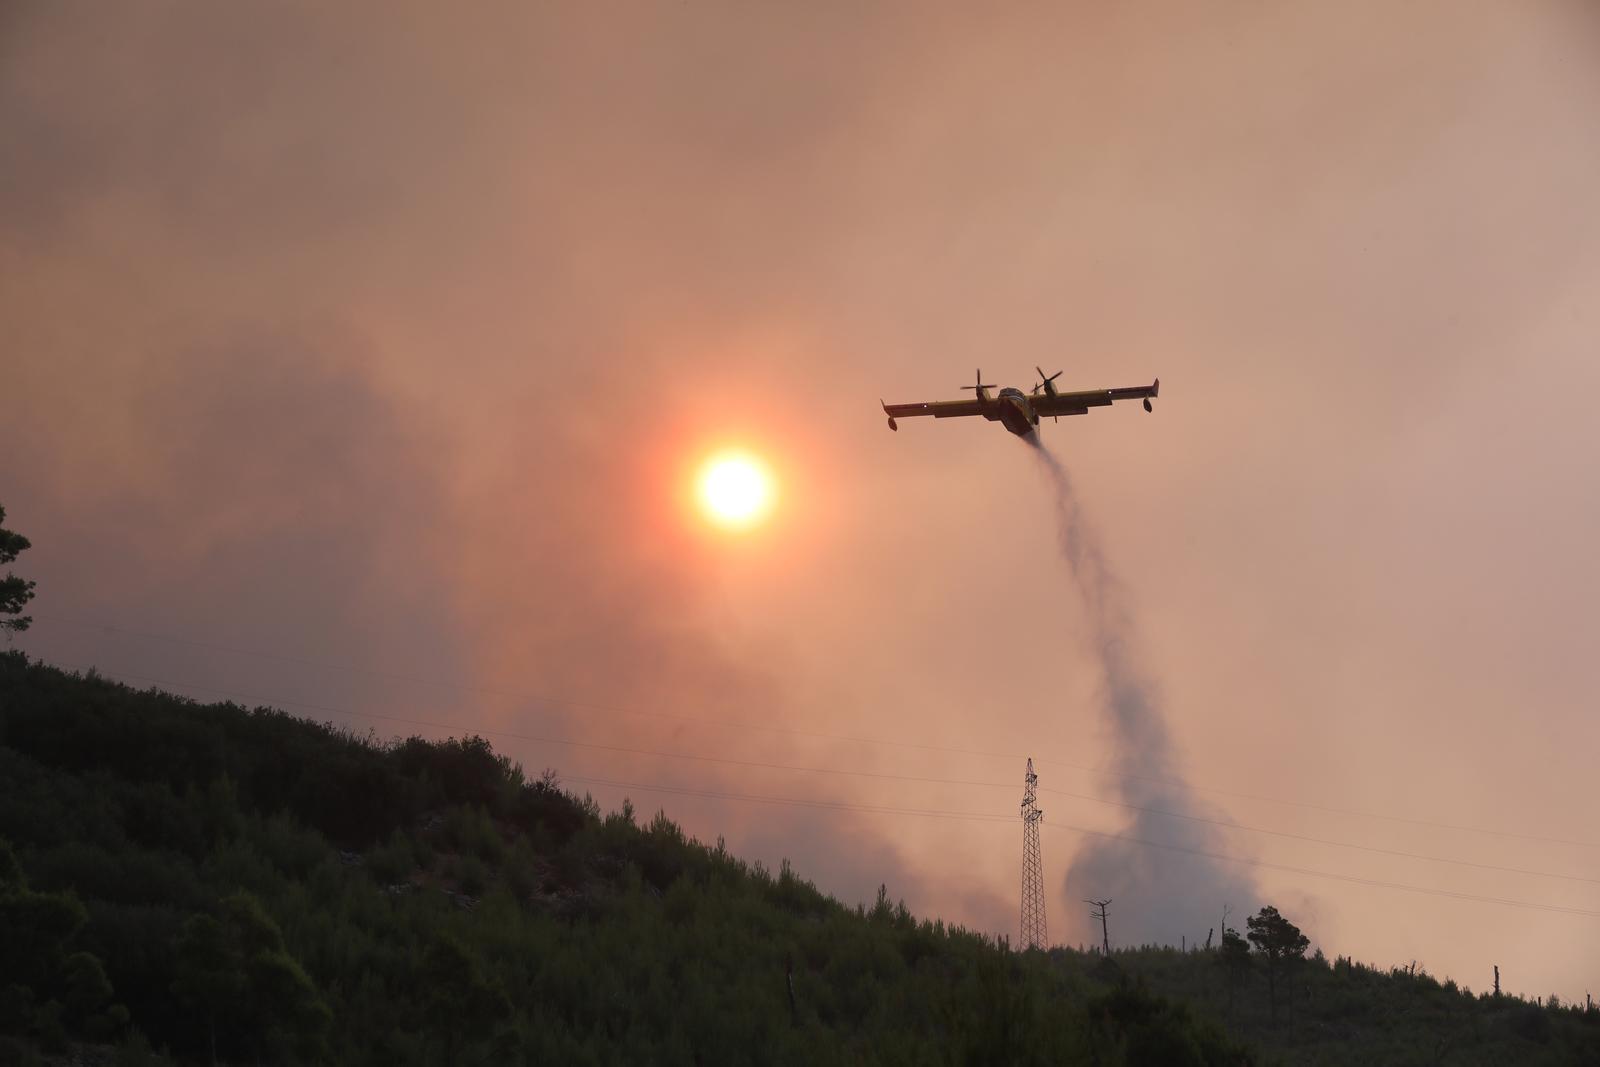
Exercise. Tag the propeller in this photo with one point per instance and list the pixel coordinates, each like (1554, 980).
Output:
(980, 386)
(1049, 389)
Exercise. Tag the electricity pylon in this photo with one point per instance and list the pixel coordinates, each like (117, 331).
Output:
(1033, 930)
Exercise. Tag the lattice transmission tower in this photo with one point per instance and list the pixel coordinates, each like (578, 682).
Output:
(1033, 929)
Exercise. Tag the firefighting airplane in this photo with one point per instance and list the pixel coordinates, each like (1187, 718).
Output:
(1019, 412)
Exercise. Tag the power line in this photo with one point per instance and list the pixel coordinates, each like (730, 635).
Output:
(535, 738)
(842, 772)
(1355, 879)
(1290, 835)
(802, 802)
(766, 727)
(983, 817)
(1431, 824)
(541, 698)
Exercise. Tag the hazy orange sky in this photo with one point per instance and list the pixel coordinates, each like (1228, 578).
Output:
(387, 339)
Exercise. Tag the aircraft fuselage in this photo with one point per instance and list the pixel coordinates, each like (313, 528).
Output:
(1012, 410)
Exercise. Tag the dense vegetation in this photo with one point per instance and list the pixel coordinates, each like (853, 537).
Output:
(242, 885)
(1340, 1011)
(219, 884)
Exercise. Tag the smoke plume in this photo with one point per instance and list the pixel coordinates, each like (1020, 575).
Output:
(1159, 894)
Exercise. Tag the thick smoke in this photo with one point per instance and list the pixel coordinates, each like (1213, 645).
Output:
(360, 336)
(1158, 894)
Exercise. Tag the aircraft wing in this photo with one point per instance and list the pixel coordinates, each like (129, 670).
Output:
(1080, 403)
(939, 409)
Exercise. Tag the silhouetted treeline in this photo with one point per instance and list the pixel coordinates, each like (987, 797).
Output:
(226, 885)
(207, 883)
(1320, 1011)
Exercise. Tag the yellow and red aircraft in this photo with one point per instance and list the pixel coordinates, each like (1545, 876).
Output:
(1020, 412)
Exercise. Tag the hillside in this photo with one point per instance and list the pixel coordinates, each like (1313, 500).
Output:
(205, 883)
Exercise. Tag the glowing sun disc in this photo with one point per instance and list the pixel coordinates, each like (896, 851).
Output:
(735, 490)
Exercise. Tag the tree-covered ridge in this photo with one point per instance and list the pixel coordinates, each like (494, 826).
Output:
(257, 888)
(1339, 1011)
(240, 886)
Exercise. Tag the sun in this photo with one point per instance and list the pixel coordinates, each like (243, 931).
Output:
(735, 489)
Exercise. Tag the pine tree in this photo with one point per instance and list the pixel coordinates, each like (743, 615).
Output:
(14, 592)
(1281, 942)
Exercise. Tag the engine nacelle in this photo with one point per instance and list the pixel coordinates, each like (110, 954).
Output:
(895, 426)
